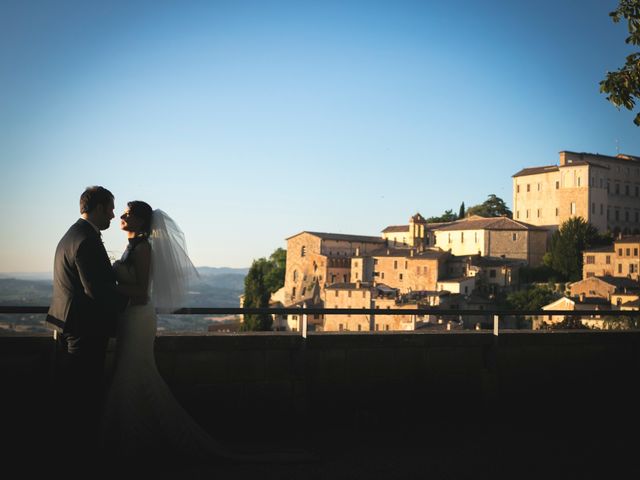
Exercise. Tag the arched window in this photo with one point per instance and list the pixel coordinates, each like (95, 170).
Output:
(303, 251)
(295, 275)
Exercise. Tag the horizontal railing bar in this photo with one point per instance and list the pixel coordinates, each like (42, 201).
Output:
(11, 309)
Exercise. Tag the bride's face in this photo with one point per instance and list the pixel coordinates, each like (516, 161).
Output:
(129, 222)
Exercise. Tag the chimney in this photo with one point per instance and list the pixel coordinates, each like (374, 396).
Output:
(358, 284)
(411, 252)
(582, 297)
(357, 251)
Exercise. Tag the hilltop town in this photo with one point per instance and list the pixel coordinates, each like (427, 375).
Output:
(469, 262)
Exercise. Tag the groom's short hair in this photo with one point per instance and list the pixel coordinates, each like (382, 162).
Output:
(94, 196)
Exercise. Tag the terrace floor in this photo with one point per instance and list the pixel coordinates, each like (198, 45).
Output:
(580, 448)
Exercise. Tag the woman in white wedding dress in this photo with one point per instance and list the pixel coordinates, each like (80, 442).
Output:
(142, 417)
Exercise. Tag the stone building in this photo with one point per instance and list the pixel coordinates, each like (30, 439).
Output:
(406, 269)
(603, 190)
(621, 259)
(493, 237)
(322, 259)
(365, 295)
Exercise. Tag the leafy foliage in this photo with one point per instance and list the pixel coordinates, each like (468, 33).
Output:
(623, 322)
(623, 86)
(264, 277)
(447, 216)
(493, 206)
(567, 244)
(531, 299)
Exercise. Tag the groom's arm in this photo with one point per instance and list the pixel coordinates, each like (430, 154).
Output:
(94, 270)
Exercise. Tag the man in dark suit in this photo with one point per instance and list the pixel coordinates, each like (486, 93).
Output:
(83, 312)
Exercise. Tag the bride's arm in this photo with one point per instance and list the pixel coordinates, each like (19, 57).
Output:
(139, 291)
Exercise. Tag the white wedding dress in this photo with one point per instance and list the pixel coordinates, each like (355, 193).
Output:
(142, 417)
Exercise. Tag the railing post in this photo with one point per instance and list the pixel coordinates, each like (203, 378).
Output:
(303, 326)
(496, 324)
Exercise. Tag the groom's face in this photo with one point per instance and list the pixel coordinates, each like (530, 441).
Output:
(104, 214)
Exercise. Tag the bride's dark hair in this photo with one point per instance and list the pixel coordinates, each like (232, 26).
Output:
(143, 211)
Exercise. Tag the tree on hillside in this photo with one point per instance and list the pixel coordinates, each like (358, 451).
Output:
(264, 277)
(532, 298)
(567, 244)
(623, 86)
(447, 216)
(461, 212)
(493, 206)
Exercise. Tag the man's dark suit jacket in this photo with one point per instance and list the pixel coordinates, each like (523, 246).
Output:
(85, 301)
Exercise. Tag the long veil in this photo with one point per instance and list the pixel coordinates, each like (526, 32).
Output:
(171, 268)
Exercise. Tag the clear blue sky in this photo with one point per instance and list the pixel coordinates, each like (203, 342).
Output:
(250, 121)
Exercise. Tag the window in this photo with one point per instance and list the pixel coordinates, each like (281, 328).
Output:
(449, 237)
(356, 275)
(557, 185)
(336, 293)
(293, 292)
(349, 294)
(303, 251)
(386, 327)
(619, 252)
(528, 187)
(295, 275)
(617, 214)
(517, 216)
(608, 260)
(632, 268)
(395, 264)
(475, 236)
(557, 212)
(628, 252)
(626, 215)
(590, 274)
(341, 327)
(359, 327)
(635, 252)
(626, 189)
(382, 275)
(617, 189)
(539, 187)
(514, 237)
(492, 273)
(619, 268)
(400, 277)
(461, 237)
(527, 213)
(517, 188)
(406, 264)
(573, 208)
(590, 259)
(578, 181)
(538, 212)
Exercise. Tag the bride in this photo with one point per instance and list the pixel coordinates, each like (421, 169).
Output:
(142, 417)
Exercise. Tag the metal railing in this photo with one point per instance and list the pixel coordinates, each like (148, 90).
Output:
(495, 315)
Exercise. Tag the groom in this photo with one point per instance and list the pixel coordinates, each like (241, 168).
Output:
(83, 312)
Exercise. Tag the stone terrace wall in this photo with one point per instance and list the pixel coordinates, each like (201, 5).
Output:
(234, 382)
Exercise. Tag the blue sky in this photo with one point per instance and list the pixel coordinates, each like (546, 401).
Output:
(249, 122)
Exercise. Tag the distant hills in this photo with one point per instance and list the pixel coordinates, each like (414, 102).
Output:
(216, 287)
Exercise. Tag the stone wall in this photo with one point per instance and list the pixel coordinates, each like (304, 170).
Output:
(235, 381)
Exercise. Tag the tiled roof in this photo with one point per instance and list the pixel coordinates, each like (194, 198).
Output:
(606, 248)
(476, 222)
(341, 237)
(572, 163)
(629, 239)
(396, 228)
(406, 252)
(536, 170)
(620, 282)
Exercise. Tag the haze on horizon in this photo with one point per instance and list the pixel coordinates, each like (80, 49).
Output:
(250, 121)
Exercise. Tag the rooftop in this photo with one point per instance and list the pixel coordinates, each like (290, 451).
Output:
(341, 237)
(476, 222)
